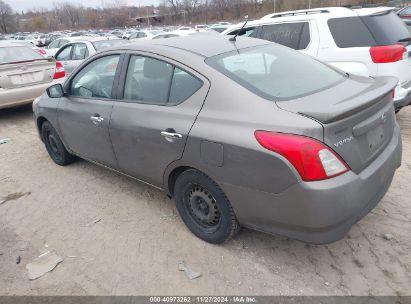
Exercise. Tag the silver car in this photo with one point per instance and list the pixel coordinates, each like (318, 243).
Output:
(25, 74)
(241, 132)
(73, 54)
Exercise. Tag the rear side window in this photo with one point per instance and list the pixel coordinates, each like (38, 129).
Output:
(292, 35)
(373, 30)
(157, 82)
(183, 86)
(18, 54)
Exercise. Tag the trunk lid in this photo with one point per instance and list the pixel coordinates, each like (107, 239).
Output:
(22, 74)
(357, 116)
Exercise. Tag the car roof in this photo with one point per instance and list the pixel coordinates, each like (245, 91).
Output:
(326, 13)
(317, 13)
(201, 44)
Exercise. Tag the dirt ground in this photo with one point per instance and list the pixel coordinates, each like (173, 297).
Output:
(119, 237)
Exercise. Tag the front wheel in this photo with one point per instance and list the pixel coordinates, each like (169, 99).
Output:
(55, 146)
(204, 207)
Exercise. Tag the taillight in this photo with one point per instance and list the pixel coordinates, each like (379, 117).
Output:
(388, 53)
(313, 160)
(60, 72)
(42, 52)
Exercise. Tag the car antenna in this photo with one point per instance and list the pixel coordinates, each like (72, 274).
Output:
(234, 39)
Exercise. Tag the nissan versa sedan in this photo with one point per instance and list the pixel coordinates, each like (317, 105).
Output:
(242, 133)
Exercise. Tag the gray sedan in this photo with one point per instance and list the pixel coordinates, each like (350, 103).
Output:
(241, 133)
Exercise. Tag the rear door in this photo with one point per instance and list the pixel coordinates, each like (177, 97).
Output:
(153, 116)
(84, 112)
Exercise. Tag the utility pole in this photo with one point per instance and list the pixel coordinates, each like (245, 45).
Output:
(309, 4)
(274, 4)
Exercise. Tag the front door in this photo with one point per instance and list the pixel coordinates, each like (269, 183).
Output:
(84, 113)
(150, 124)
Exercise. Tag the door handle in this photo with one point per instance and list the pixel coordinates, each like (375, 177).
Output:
(96, 119)
(171, 135)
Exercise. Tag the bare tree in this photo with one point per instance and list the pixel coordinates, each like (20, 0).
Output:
(7, 20)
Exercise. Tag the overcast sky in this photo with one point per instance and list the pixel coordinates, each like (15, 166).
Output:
(19, 5)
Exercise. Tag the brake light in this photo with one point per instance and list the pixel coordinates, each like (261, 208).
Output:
(60, 72)
(313, 160)
(42, 52)
(388, 53)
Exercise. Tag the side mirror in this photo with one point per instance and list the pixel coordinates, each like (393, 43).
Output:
(55, 91)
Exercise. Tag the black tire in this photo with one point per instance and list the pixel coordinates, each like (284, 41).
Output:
(204, 207)
(55, 146)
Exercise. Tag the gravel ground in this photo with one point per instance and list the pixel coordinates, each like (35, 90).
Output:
(120, 237)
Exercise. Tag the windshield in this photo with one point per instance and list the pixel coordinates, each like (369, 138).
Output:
(18, 54)
(99, 45)
(275, 72)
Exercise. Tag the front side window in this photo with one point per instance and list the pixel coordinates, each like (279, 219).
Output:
(292, 35)
(157, 82)
(96, 79)
(65, 54)
(275, 72)
(80, 51)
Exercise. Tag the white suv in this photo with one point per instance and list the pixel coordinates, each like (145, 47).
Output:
(368, 41)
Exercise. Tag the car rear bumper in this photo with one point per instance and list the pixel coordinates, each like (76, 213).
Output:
(318, 212)
(24, 95)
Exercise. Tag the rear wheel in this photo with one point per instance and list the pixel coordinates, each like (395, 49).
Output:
(204, 207)
(54, 145)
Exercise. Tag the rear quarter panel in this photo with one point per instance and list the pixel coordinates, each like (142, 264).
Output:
(222, 144)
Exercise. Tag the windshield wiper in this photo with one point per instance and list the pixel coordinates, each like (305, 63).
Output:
(405, 39)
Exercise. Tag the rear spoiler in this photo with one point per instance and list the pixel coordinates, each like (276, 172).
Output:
(380, 88)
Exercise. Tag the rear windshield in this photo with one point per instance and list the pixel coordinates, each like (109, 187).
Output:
(382, 29)
(275, 72)
(103, 44)
(18, 54)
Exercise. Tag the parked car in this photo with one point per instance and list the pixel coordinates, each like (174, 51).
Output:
(305, 151)
(201, 27)
(405, 13)
(72, 54)
(368, 42)
(219, 28)
(54, 46)
(144, 34)
(177, 33)
(25, 74)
